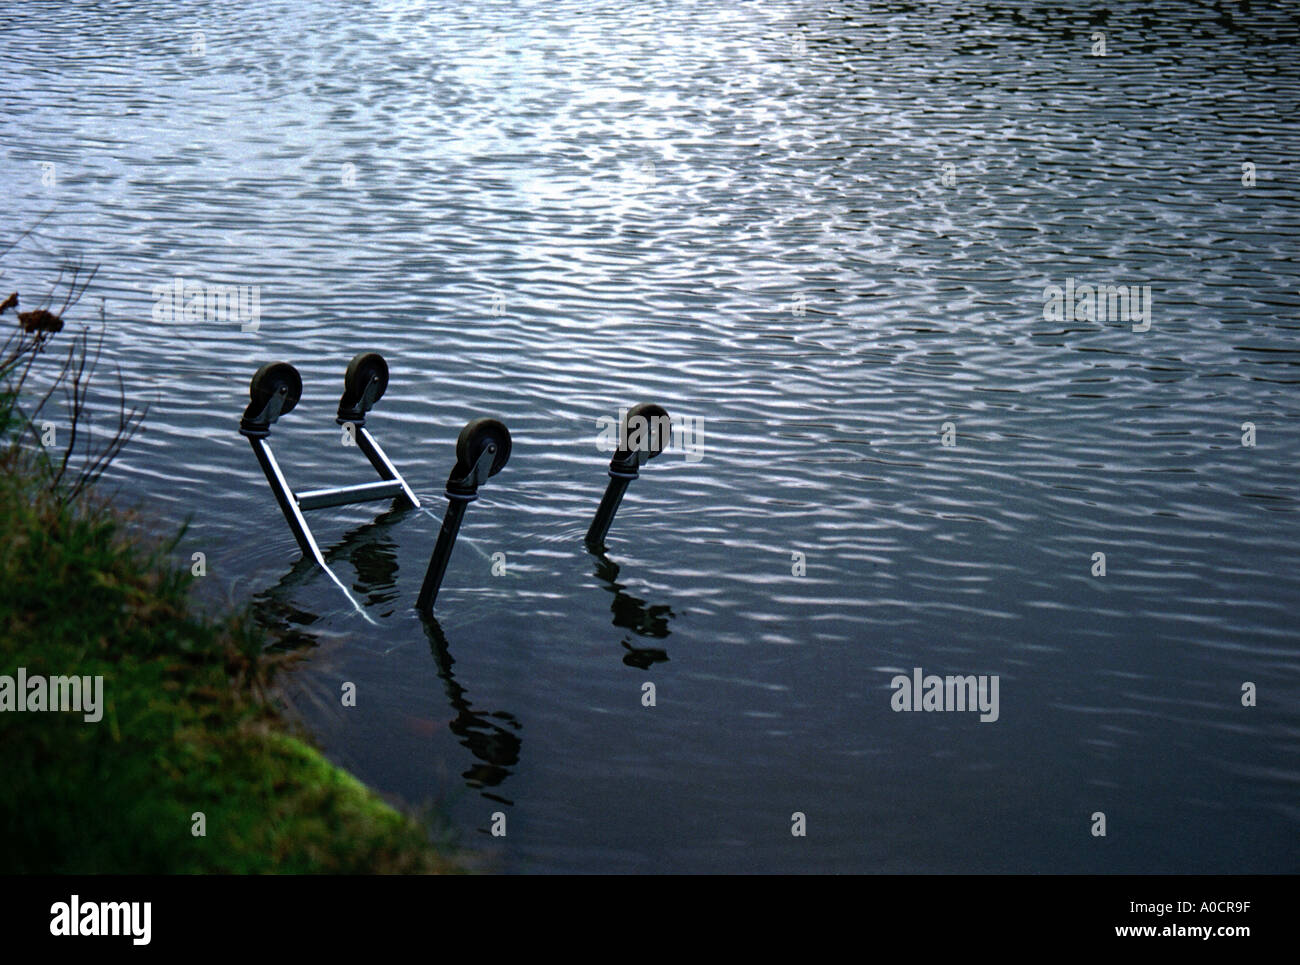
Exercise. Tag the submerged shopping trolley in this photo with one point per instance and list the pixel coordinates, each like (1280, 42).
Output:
(274, 391)
(482, 451)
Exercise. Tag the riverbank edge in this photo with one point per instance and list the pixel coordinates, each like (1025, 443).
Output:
(190, 766)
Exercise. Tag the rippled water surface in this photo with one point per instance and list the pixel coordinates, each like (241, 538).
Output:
(543, 211)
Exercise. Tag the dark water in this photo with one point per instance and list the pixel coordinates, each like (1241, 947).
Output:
(739, 211)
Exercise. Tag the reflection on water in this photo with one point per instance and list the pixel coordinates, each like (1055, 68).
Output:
(822, 232)
(633, 613)
(495, 745)
(374, 558)
(370, 551)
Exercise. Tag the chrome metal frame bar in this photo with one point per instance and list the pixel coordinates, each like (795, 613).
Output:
(285, 497)
(343, 495)
(391, 485)
(383, 465)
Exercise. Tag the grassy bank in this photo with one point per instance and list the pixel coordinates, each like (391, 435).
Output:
(186, 724)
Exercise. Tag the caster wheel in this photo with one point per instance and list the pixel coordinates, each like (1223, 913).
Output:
(655, 431)
(362, 370)
(270, 379)
(475, 436)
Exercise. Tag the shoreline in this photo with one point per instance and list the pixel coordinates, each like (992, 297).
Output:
(176, 758)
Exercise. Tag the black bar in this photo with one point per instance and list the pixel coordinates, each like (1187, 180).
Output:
(609, 504)
(917, 915)
(441, 554)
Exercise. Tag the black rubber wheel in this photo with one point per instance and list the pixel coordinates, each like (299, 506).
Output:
(476, 435)
(363, 368)
(657, 426)
(270, 379)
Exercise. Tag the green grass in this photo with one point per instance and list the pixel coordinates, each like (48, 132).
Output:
(187, 726)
